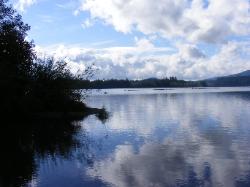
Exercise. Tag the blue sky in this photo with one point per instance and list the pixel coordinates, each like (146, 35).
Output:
(190, 39)
(54, 22)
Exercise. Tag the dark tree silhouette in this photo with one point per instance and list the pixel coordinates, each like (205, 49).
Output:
(16, 57)
(30, 85)
(50, 88)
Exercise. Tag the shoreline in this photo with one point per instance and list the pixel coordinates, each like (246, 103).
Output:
(101, 114)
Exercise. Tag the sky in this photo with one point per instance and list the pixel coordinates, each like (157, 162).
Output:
(137, 39)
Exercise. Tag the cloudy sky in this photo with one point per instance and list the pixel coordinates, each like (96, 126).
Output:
(190, 39)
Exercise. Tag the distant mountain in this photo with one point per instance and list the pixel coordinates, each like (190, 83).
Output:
(242, 74)
(239, 79)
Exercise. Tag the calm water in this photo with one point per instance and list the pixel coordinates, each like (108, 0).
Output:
(160, 138)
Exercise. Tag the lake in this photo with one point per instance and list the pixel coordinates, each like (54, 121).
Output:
(153, 137)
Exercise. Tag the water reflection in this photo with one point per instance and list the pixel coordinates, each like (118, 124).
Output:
(149, 140)
(189, 140)
(24, 144)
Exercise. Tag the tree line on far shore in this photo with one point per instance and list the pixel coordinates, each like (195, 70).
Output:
(145, 83)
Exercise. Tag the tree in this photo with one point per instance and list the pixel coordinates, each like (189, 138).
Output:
(50, 87)
(16, 57)
(30, 85)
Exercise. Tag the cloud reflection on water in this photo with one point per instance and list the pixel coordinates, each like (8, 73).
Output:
(207, 144)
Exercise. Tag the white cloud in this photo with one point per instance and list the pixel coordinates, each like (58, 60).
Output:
(87, 23)
(195, 20)
(144, 60)
(144, 44)
(23, 4)
(186, 24)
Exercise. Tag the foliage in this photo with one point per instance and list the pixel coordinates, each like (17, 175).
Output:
(16, 57)
(29, 84)
(49, 88)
